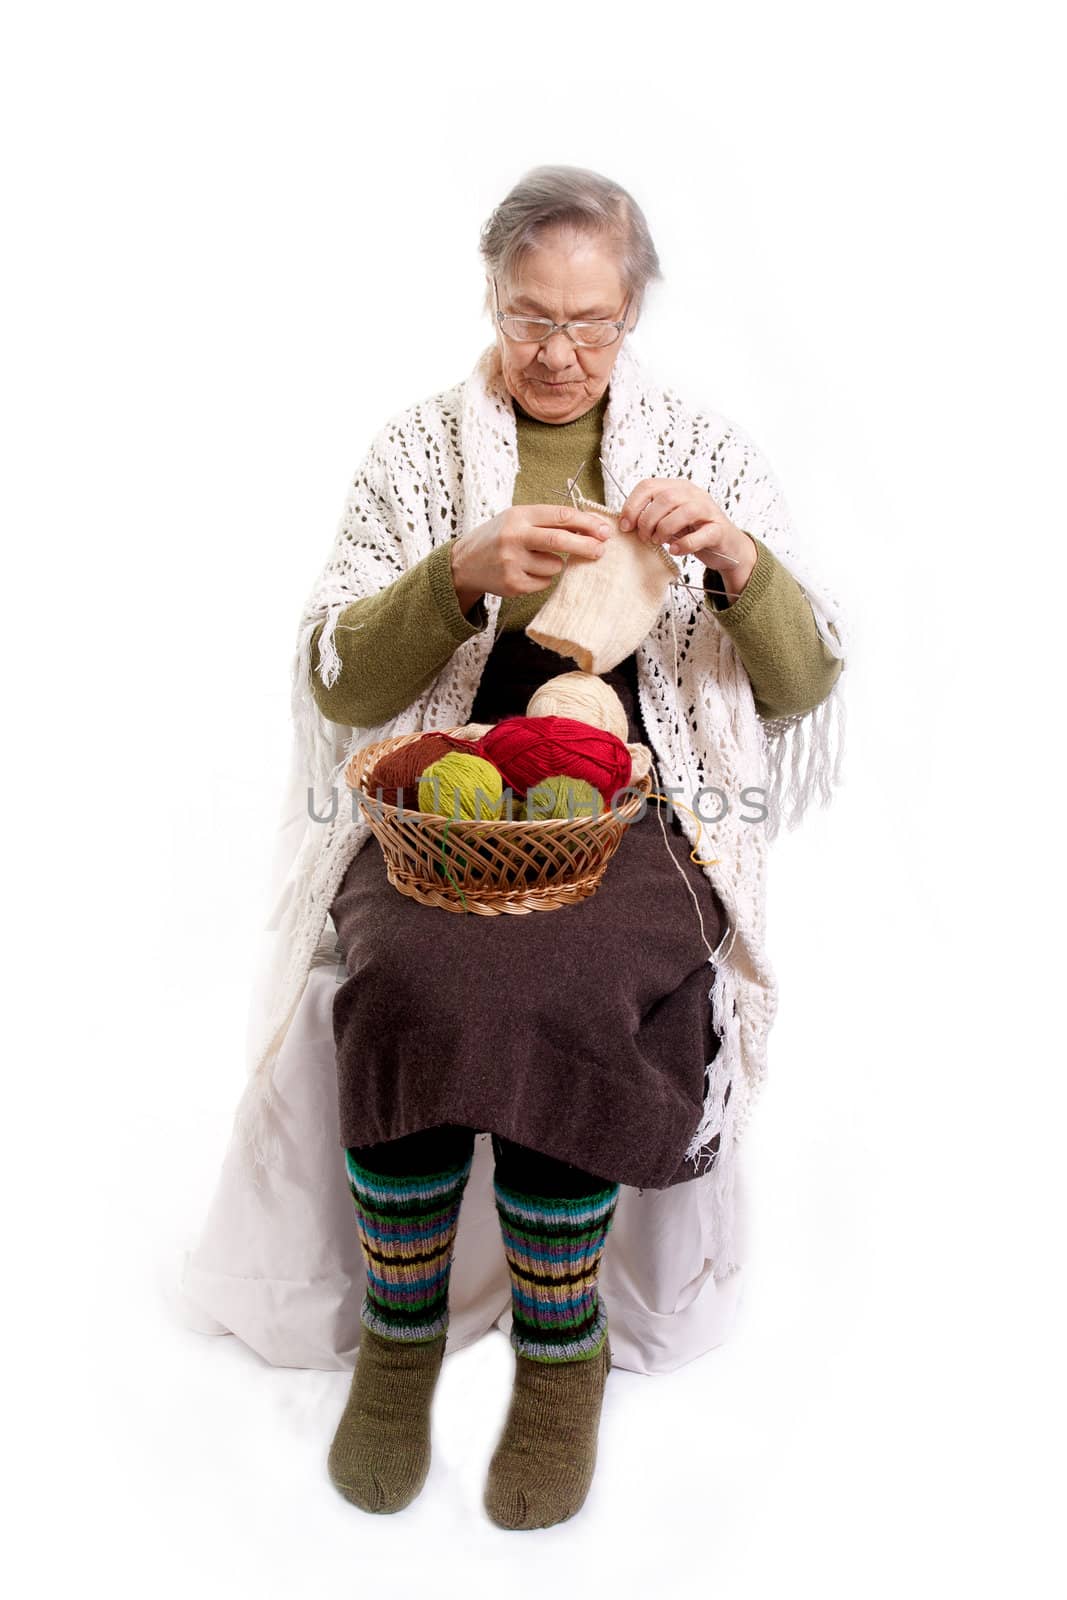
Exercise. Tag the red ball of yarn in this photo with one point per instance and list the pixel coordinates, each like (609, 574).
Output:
(397, 774)
(527, 749)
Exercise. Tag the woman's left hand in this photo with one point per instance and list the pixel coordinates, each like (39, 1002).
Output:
(677, 513)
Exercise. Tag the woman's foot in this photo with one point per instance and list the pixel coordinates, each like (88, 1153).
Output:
(381, 1451)
(542, 1468)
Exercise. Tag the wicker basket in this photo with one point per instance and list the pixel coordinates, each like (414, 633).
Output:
(494, 866)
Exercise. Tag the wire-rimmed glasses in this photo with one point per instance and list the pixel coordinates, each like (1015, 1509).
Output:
(595, 335)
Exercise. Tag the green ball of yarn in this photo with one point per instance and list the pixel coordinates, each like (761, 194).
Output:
(562, 797)
(459, 785)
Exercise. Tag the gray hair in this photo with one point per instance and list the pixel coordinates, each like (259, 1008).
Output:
(572, 197)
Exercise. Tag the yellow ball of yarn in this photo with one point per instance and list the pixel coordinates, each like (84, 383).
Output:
(462, 786)
(586, 698)
(562, 797)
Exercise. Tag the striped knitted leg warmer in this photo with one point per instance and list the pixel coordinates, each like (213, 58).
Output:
(543, 1465)
(407, 1225)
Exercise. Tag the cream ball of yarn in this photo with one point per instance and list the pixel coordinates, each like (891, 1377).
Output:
(642, 761)
(583, 696)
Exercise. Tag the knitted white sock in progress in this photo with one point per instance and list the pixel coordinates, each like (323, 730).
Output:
(600, 610)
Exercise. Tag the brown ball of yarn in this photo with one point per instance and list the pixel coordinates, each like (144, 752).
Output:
(397, 774)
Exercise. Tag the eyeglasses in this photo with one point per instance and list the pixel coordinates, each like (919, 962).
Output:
(535, 330)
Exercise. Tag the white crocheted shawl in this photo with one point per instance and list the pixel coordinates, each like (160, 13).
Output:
(444, 466)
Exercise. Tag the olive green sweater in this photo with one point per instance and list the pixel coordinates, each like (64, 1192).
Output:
(393, 644)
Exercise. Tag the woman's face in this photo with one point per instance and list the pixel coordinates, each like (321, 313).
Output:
(566, 277)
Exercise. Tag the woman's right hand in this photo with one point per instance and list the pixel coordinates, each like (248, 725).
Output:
(521, 550)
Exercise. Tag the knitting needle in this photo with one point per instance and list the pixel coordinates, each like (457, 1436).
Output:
(698, 588)
(733, 560)
(572, 484)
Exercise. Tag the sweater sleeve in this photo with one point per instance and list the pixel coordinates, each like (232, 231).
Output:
(394, 643)
(789, 666)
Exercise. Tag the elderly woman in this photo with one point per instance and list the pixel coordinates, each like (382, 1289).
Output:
(586, 1041)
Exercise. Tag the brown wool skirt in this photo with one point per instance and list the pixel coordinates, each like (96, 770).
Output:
(582, 1033)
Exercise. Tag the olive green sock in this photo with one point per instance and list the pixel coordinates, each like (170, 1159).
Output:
(380, 1454)
(543, 1466)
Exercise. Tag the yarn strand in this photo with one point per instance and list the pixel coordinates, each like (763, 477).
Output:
(446, 869)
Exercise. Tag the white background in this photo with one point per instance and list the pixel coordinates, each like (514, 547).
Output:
(219, 220)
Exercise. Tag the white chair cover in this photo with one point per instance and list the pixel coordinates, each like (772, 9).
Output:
(278, 1261)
